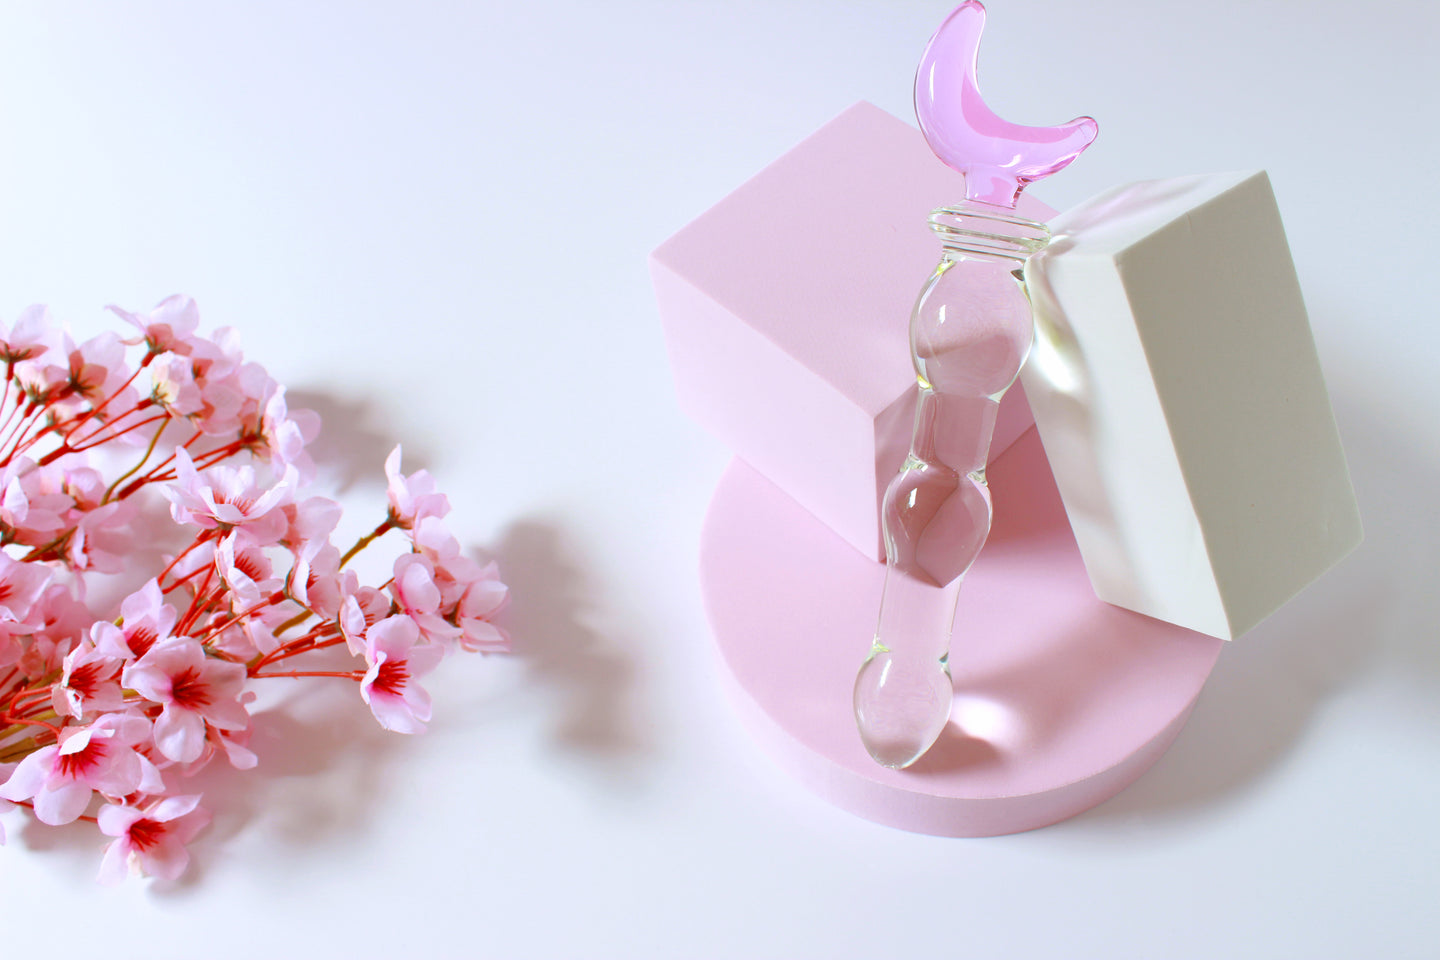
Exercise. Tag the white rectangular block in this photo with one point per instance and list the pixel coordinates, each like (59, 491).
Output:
(1177, 391)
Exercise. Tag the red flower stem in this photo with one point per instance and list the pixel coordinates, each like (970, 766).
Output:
(346, 674)
(294, 649)
(211, 457)
(19, 397)
(96, 408)
(87, 443)
(109, 426)
(29, 407)
(39, 693)
(43, 415)
(19, 721)
(31, 805)
(196, 607)
(183, 580)
(155, 472)
(202, 538)
(203, 461)
(16, 441)
(289, 648)
(214, 630)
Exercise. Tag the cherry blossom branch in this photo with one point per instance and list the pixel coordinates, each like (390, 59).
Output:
(96, 408)
(135, 469)
(366, 540)
(161, 685)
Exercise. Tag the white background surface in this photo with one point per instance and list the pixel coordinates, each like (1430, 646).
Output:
(431, 222)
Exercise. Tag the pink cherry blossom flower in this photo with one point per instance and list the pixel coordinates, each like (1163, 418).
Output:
(98, 703)
(11, 649)
(414, 497)
(172, 384)
(168, 327)
(225, 497)
(15, 506)
(45, 370)
(320, 585)
(29, 336)
(216, 362)
(433, 541)
(90, 680)
(35, 504)
(233, 745)
(145, 619)
(470, 595)
(58, 618)
(90, 378)
(21, 584)
(102, 537)
(284, 434)
(83, 484)
(316, 564)
(359, 611)
(150, 842)
(309, 523)
(254, 387)
(396, 660)
(484, 597)
(413, 587)
(193, 689)
(251, 635)
(97, 367)
(101, 757)
(27, 513)
(246, 570)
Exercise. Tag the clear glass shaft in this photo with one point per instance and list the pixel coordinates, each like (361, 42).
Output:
(970, 332)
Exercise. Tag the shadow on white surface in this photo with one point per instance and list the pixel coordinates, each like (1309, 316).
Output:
(352, 445)
(323, 773)
(548, 620)
(1376, 611)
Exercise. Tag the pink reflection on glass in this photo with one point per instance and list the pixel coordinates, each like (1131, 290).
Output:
(997, 157)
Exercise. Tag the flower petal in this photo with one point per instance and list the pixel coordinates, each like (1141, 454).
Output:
(180, 734)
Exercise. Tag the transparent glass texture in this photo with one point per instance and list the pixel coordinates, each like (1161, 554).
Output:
(970, 332)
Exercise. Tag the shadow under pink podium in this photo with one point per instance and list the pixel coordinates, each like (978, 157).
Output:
(1061, 700)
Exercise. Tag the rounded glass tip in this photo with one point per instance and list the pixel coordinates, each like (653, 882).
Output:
(901, 706)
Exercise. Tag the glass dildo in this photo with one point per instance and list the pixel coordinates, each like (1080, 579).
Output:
(970, 332)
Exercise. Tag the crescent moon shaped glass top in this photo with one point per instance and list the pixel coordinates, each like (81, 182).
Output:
(998, 158)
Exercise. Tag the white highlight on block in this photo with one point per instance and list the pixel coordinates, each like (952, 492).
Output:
(1177, 391)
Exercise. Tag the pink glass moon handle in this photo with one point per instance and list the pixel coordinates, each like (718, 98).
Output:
(997, 157)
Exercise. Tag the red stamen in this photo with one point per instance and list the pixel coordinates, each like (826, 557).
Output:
(188, 690)
(141, 641)
(146, 833)
(86, 680)
(75, 765)
(250, 566)
(392, 677)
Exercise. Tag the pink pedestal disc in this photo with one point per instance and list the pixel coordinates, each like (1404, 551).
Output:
(1061, 700)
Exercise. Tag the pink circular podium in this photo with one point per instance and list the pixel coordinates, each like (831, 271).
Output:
(1061, 700)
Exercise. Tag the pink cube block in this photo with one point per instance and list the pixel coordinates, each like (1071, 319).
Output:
(786, 309)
